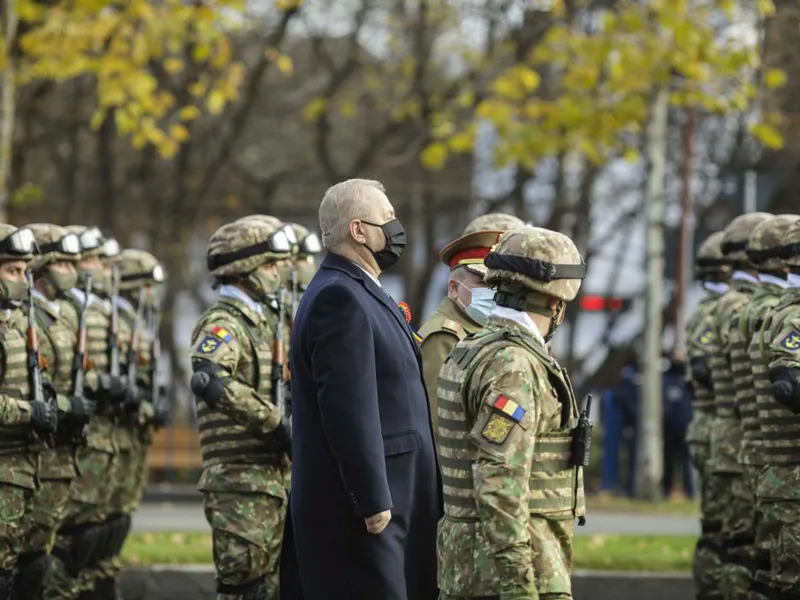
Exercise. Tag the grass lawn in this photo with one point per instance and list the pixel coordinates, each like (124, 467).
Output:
(599, 552)
(628, 505)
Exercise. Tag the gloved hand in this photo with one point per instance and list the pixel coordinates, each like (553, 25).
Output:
(49, 391)
(133, 399)
(209, 382)
(111, 389)
(44, 417)
(81, 411)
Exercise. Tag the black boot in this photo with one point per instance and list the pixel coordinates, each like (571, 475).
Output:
(6, 584)
(29, 576)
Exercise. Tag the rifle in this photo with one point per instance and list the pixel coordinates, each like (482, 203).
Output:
(156, 397)
(113, 329)
(133, 349)
(278, 360)
(582, 437)
(35, 381)
(80, 361)
(294, 294)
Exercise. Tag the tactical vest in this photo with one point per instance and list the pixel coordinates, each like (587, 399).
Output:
(222, 440)
(556, 487)
(15, 384)
(750, 320)
(780, 427)
(702, 396)
(720, 360)
(57, 346)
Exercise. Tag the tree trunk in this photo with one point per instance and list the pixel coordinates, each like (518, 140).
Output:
(8, 109)
(105, 174)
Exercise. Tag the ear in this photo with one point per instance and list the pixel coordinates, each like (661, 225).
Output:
(553, 304)
(356, 230)
(452, 288)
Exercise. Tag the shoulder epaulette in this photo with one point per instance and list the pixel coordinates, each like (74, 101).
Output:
(454, 327)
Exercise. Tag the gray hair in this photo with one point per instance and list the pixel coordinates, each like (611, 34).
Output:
(341, 204)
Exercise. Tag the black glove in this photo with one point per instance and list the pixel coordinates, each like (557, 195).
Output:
(50, 393)
(133, 400)
(80, 412)
(44, 417)
(786, 387)
(701, 372)
(111, 389)
(206, 382)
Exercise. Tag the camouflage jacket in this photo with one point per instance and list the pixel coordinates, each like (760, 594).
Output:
(506, 410)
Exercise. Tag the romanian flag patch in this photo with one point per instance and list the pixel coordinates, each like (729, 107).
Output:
(511, 408)
(222, 334)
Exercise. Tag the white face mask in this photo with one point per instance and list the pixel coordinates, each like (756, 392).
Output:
(793, 279)
(481, 304)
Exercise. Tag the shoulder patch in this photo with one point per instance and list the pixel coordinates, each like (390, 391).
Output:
(453, 327)
(509, 407)
(791, 341)
(705, 337)
(497, 428)
(208, 345)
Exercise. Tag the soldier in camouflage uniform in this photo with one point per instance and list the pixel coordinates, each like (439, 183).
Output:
(85, 537)
(243, 435)
(506, 413)
(303, 261)
(139, 273)
(726, 433)
(778, 492)
(469, 302)
(54, 272)
(21, 418)
(714, 271)
(741, 517)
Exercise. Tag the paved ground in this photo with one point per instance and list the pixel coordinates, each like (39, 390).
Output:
(189, 517)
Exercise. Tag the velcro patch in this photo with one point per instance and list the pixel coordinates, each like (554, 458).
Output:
(791, 341)
(509, 407)
(222, 334)
(208, 345)
(497, 428)
(706, 337)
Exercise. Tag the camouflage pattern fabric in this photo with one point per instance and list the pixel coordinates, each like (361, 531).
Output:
(493, 222)
(707, 566)
(245, 479)
(510, 492)
(16, 507)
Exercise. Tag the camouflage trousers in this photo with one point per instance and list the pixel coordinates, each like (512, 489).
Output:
(779, 504)
(16, 507)
(247, 531)
(698, 436)
(740, 520)
(707, 564)
(89, 499)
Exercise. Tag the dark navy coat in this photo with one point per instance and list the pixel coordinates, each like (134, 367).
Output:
(362, 443)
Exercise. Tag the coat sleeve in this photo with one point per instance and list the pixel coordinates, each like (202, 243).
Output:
(342, 355)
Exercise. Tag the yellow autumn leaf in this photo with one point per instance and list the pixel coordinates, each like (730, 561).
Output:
(98, 118)
(348, 109)
(287, 4)
(528, 78)
(284, 64)
(167, 148)
(179, 133)
(463, 141)
(189, 113)
(314, 109)
(631, 155)
(173, 66)
(434, 156)
(775, 78)
(215, 102)
(768, 136)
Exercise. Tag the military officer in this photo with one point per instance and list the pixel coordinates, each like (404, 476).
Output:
(778, 492)
(714, 271)
(512, 487)
(139, 272)
(726, 432)
(243, 433)
(469, 302)
(85, 537)
(54, 272)
(21, 417)
(764, 249)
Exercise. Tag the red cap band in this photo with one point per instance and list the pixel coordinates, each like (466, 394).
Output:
(473, 255)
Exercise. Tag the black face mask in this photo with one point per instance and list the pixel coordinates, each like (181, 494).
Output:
(395, 244)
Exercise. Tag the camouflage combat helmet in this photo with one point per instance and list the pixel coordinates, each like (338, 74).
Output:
(539, 259)
(308, 242)
(93, 242)
(791, 247)
(240, 247)
(765, 246)
(55, 244)
(710, 262)
(16, 244)
(493, 222)
(274, 221)
(737, 234)
(138, 268)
